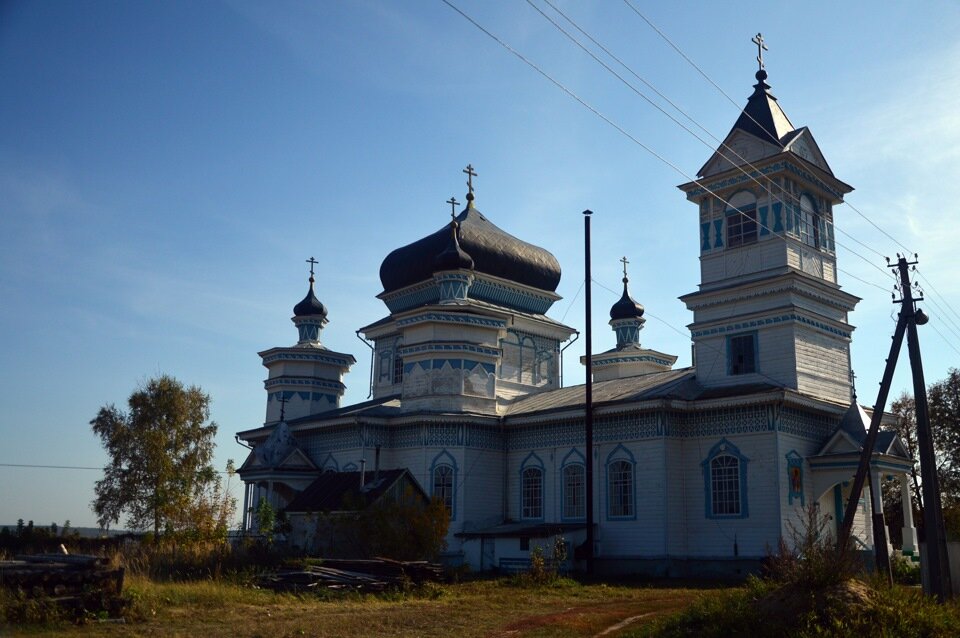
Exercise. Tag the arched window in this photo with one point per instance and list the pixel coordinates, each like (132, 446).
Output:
(531, 489)
(574, 491)
(443, 486)
(443, 481)
(621, 495)
(741, 218)
(725, 482)
(809, 225)
(620, 485)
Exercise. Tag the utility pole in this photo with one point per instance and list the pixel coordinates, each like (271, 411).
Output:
(937, 564)
(907, 321)
(588, 404)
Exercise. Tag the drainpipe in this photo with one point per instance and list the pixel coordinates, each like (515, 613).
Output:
(367, 343)
(376, 465)
(363, 472)
(576, 335)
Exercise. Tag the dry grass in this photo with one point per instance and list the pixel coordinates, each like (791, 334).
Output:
(481, 608)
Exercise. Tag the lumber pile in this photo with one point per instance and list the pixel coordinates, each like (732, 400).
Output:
(70, 580)
(374, 575)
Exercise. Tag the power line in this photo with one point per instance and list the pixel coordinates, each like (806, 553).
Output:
(75, 467)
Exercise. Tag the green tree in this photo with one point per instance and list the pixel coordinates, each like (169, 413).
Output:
(159, 473)
(944, 400)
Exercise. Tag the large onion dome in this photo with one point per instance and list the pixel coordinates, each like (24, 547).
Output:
(494, 252)
(310, 306)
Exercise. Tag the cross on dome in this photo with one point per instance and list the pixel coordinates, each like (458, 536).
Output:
(453, 206)
(470, 175)
(624, 262)
(313, 262)
(761, 47)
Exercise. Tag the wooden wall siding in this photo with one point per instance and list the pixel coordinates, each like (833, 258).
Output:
(481, 487)
(641, 534)
(775, 358)
(823, 368)
(732, 263)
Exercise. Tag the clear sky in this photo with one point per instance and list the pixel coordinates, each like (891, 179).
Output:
(167, 167)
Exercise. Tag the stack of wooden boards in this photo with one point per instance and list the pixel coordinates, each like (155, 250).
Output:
(71, 580)
(373, 575)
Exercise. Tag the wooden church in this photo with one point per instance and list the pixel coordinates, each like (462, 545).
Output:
(698, 470)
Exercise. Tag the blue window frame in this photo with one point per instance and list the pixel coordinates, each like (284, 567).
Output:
(443, 481)
(725, 482)
(531, 487)
(573, 486)
(621, 484)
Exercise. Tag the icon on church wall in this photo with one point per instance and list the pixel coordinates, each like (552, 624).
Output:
(795, 476)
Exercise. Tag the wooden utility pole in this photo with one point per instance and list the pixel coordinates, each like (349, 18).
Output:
(939, 582)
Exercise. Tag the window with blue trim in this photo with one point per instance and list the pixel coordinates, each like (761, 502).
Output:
(621, 491)
(574, 491)
(620, 484)
(531, 493)
(725, 482)
(443, 486)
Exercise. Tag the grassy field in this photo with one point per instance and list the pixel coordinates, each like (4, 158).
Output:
(480, 608)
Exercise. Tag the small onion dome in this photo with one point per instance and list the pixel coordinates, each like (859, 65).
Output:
(626, 307)
(310, 306)
(453, 257)
(494, 252)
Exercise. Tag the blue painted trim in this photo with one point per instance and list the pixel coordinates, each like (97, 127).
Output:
(718, 237)
(572, 458)
(533, 462)
(621, 453)
(445, 459)
(755, 323)
(794, 461)
(324, 465)
(705, 231)
(838, 505)
(764, 229)
(725, 448)
(778, 217)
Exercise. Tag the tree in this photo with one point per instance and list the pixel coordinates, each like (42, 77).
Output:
(160, 471)
(944, 400)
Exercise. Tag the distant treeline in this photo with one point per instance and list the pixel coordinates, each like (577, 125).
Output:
(27, 538)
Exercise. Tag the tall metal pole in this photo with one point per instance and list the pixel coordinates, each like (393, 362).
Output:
(937, 566)
(588, 405)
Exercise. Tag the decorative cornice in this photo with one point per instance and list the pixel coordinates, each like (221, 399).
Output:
(311, 382)
(302, 354)
(452, 318)
(446, 347)
(766, 321)
(783, 163)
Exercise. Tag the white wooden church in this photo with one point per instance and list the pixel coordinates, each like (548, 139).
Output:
(697, 470)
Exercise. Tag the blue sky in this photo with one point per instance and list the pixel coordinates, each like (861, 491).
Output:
(166, 168)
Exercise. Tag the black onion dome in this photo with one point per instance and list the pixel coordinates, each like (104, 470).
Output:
(310, 306)
(626, 307)
(453, 256)
(494, 252)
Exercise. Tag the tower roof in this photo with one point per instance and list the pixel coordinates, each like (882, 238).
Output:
(762, 116)
(626, 307)
(310, 306)
(494, 251)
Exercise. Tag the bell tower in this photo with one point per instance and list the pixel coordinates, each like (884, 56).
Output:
(768, 309)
